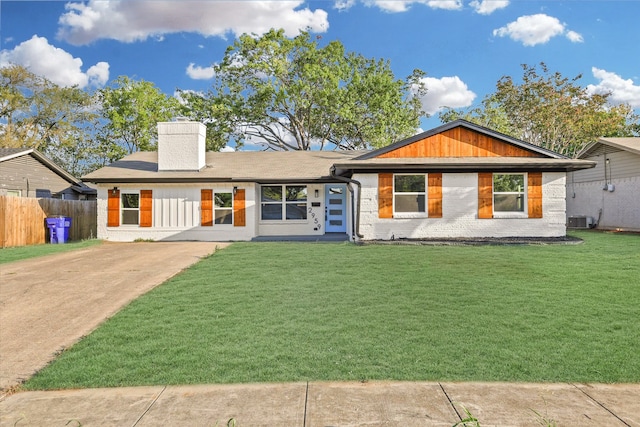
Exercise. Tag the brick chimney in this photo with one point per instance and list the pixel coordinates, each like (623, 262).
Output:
(181, 145)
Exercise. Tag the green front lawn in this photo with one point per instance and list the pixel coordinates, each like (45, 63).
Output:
(270, 312)
(25, 252)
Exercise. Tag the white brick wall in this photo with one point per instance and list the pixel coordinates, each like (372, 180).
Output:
(460, 213)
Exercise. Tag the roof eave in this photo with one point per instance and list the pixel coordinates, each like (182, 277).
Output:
(571, 166)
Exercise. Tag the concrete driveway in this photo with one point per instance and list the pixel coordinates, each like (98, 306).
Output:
(49, 303)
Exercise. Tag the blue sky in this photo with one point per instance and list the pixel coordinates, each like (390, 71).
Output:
(464, 46)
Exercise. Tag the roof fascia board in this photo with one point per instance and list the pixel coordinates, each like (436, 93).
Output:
(17, 154)
(466, 124)
(606, 142)
(458, 167)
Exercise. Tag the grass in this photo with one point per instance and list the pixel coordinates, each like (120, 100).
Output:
(270, 312)
(25, 252)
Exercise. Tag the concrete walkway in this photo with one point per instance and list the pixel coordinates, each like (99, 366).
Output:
(48, 303)
(330, 404)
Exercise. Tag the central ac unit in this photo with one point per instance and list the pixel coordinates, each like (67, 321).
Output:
(580, 222)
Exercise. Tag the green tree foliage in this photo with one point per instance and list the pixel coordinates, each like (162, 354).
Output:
(551, 111)
(293, 93)
(36, 113)
(132, 110)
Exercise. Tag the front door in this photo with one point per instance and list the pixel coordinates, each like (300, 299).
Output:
(335, 208)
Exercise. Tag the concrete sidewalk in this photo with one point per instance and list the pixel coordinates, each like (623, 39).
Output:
(330, 404)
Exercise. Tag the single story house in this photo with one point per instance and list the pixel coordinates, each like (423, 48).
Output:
(25, 172)
(457, 180)
(607, 196)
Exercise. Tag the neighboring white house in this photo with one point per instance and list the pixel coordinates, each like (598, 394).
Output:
(607, 196)
(457, 180)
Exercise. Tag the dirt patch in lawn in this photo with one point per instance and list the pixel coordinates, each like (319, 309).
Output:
(49, 303)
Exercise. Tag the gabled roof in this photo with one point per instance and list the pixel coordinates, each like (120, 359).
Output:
(239, 166)
(631, 145)
(13, 153)
(466, 125)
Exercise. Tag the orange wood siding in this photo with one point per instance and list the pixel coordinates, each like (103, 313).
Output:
(206, 208)
(435, 195)
(485, 195)
(385, 195)
(146, 208)
(113, 208)
(239, 215)
(534, 194)
(459, 142)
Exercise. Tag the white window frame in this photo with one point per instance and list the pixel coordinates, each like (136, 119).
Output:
(425, 193)
(14, 193)
(511, 214)
(216, 208)
(123, 209)
(284, 203)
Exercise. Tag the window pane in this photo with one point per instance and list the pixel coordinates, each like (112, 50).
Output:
(296, 211)
(130, 201)
(508, 183)
(224, 216)
(272, 193)
(409, 183)
(223, 200)
(296, 193)
(130, 217)
(272, 211)
(409, 203)
(508, 203)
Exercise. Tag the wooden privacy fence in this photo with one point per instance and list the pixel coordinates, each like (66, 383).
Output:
(22, 219)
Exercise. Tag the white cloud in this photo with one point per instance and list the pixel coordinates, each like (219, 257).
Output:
(536, 29)
(344, 4)
(404, 5)
(445, 92)
(130, 21)
(200, 73)
(487, 7)
(574, 37)
(55, 64)
(622, 91)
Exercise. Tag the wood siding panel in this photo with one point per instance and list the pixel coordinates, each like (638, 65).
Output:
(113, 208)
(32, 178)
(534, 194)
(459, 142)
(485, 195)
(239, 210)
(146, 208)
(385, 195)
(435, 195)
(206, 208)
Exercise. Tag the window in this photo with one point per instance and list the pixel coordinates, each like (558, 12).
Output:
(130, 208)
(223, 206)
(409, 193)
(509, 193)
(14, 193)
(288, 202)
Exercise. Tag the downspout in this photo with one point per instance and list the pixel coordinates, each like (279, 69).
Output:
(359, 185)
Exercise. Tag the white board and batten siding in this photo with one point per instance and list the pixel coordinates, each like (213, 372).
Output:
(176, 214)
(460, 213)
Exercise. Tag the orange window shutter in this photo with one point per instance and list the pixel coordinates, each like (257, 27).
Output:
(146, 208)
(435, 195)
(485, 195)
(113, 208)
(385, 195)
(206, 208)
(534, 194)
(239, 215)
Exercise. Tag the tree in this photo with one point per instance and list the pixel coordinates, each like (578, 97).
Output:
(551, 111)
(292, 94)
(132, 110)
(36, 113)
